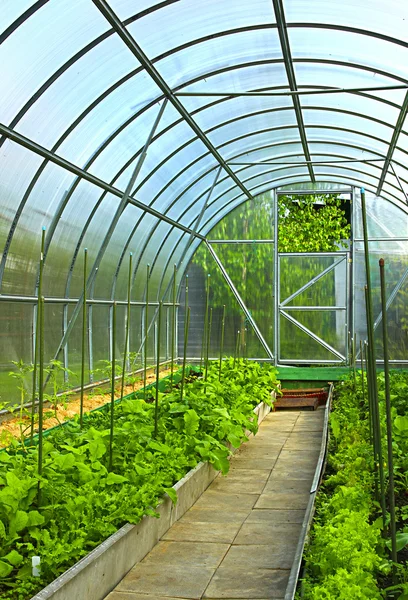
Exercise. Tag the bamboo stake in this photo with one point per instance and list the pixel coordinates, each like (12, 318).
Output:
(37, 328)
(156, 407)
(112, 403)
(391, 494)
(173, 326)
(146, 328)
(207, 301)
(222, 340)
(125, 351)
(81, 402)
(40, 394)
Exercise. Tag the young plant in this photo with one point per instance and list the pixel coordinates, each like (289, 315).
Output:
(23, 369)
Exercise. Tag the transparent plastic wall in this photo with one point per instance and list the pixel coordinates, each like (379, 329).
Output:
(243, 243)
(387, 226)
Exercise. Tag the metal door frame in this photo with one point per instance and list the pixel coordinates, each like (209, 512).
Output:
(281, 308)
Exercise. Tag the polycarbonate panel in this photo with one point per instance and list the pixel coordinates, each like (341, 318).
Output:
(150, 254)
(354, 104)
(77, 88)
(10, 11)
(15, 344)
(392, 187)
(107, 118)
(49, 38)
(328, 151)
(333, 118)
(269, 152)
(372, 15)
(125, 9)
(349, 47)
(296, 345)
(219, 53)
(261, 76)
(326, 186)
(252, 177)
(395, 255)
(384, 219)
(23, 259)
(166, 183)
(253, 123)
(317, 74)
(93, 240)
(184, 26)
(109, 263)
(325, 134)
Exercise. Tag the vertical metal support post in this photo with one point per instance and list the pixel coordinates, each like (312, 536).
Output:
(156, 404)
(81, 401)
(37, 330)
(276, 293)
(236, 348)
(370, 331)
(352, 276)
(65, 349)
(146, 330)
(113, 372)
(90, 342)
(125, 350)
(391, 493)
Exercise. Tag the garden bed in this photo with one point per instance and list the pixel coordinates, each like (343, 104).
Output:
(102, 492)
(348, 555)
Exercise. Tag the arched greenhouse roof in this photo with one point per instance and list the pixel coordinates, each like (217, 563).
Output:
(135, 125)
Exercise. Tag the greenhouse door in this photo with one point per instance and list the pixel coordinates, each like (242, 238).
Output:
(313, 308)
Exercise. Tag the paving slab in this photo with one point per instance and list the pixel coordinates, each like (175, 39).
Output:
(216, 499)
(210, 515)
(282, 535)
(177, 581)
(247, 583)
(195, 554)
(271, 515)
(239, 539)
(223, 533)
(283, 500)
(256, 556)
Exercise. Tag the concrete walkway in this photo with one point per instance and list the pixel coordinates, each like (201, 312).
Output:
(239, 539)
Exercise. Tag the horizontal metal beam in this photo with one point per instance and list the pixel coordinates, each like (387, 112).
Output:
(307, 162)
(90, 301)
(147, 64)
(298, 92)
(241, 241)
(68, 166)
(393, 143)
(315, 308)
(290, 72)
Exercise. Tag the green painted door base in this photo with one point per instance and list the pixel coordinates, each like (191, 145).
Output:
(320, 374)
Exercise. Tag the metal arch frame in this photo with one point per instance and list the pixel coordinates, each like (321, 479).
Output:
(393, 144)
(130, 42)
(290, 73)
(222, 209)
(111, 137)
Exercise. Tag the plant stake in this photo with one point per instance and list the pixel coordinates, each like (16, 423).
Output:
(37, 329)
(81, 402)
(156, 406)
(208, 344)
(146, 328)
(40, 394)
(186, 326)
(112, 403)
(207, 301)
(173, 326)
(125, 351)
(222, 340)
(391, 496)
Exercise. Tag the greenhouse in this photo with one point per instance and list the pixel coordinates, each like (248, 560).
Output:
(203, 292)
